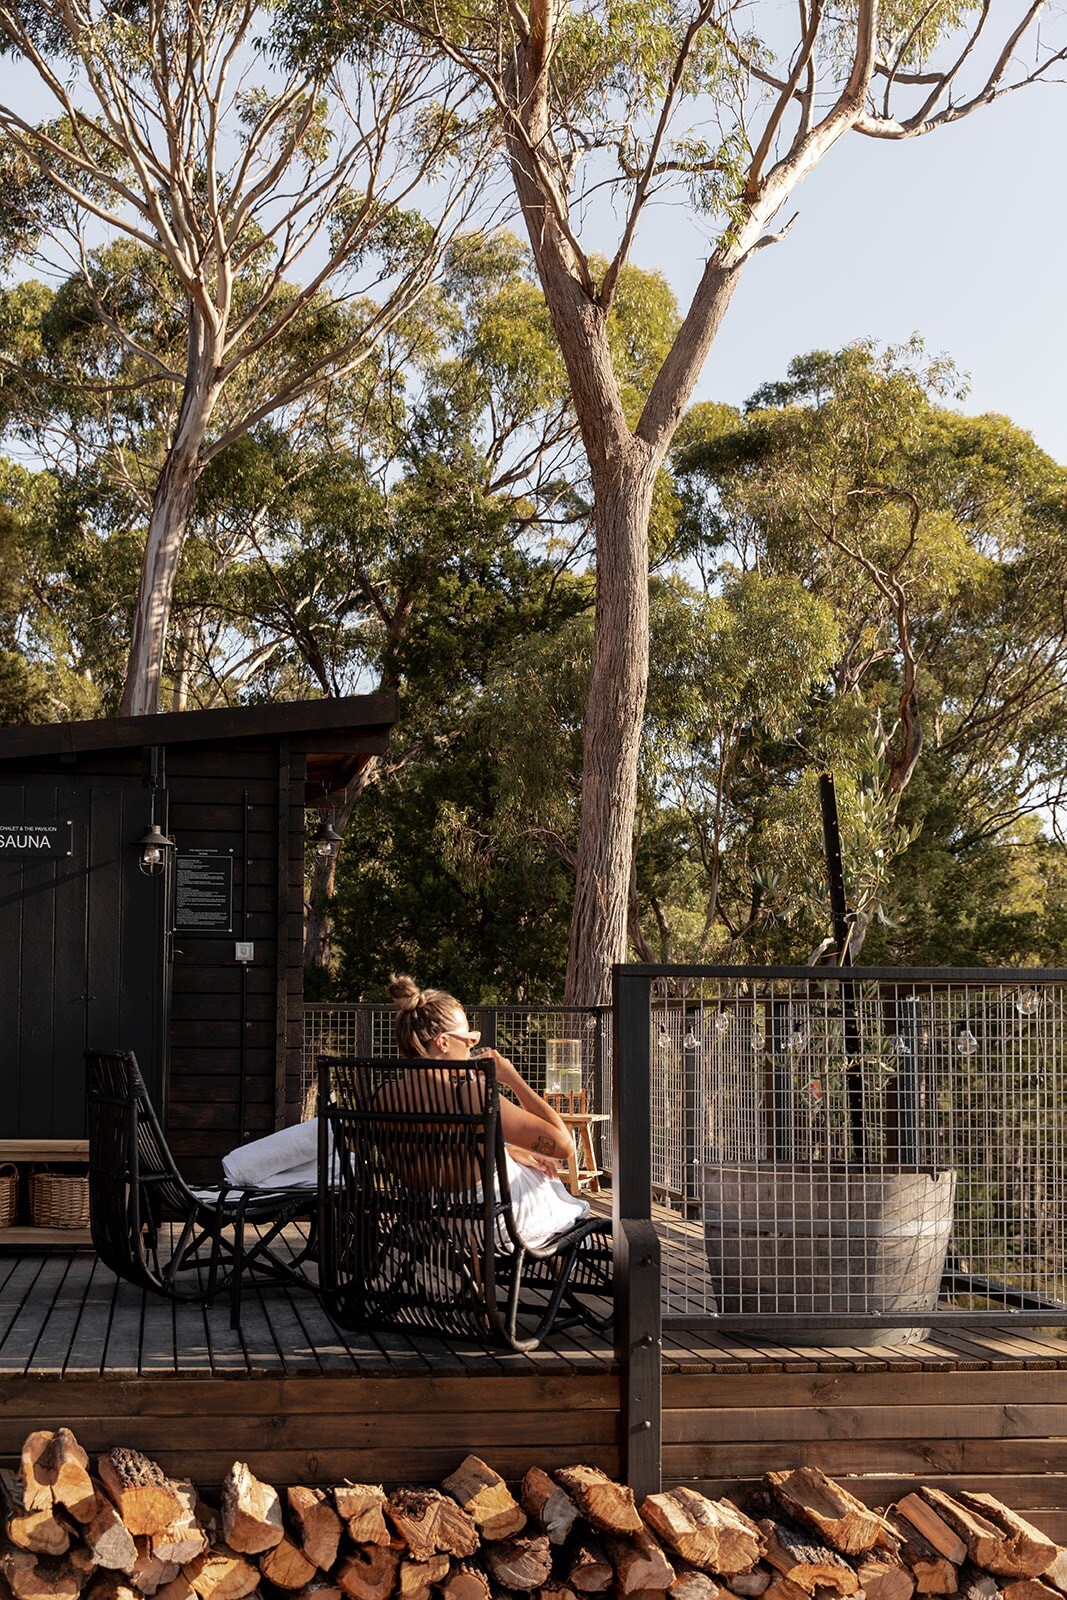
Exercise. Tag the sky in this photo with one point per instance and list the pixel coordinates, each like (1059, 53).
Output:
(959, 236)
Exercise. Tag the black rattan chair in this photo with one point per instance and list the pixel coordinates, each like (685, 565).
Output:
(416, 1222)
(134, 1182)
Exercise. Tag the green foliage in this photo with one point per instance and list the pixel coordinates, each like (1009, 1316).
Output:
(902, 519)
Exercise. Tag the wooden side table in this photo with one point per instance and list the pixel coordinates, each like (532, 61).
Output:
(582, 1170)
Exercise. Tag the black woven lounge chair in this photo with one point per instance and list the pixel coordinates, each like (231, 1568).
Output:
(416, 1218)
(133, 1182)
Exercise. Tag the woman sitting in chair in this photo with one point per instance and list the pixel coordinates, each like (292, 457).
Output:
(433, 1025)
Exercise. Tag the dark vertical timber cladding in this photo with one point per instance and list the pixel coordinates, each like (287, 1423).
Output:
(281, 1016)
(294, 1031)
(82, 943)
(638, 1327)
(11, 976)
(224, 798)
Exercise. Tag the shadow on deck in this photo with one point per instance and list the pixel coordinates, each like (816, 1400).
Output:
(302, 1401)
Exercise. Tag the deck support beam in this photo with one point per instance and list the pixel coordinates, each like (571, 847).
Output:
(638, 1314)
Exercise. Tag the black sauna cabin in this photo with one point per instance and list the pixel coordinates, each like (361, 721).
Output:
(189, 952)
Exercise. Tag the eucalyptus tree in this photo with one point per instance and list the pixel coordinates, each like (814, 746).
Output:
(935, 542)
(605, 110)
(297, 196)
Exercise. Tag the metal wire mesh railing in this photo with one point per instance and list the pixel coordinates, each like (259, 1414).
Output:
(835, 1149)
(546, 1043)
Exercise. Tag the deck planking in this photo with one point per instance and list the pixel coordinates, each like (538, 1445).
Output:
(302, 1400)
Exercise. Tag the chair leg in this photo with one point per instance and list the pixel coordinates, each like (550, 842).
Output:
(238, 1264)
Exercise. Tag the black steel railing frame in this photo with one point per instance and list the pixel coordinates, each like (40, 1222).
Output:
(639, 1319)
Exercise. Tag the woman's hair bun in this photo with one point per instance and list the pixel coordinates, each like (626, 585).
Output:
(404, 992)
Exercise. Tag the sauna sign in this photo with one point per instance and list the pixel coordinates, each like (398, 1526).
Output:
(41, 840)
(203, 891)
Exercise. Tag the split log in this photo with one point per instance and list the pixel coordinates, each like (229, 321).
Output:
(885, 1576)
(711, 1534)
(750, 1585)
(794, 1554)
(689, 1583)
(369, 1573)
(109, 1541)
(815, 1501)
(140, 1490)
(589, 1571)
(417, 1578)
(251, 1512)
(430, 1522)
(360, 1507)
(111, 1586)
(466, 1581)
(287, 1566)
(34, 1472)
(222, 1574)
(149, 1573)
(320, 1588)
(53, 1472)
(38, 1531)
(986, 1544)
(1030, 1551)
(555, 1591)
(933, 1572)
(608, 1505)
(32, 1577)
(1029, 1589)
(318, 1522)
(783, 1588)
(486, 1497)
(1056, 1571)
(519, 1563)
(976, 1585)
(945, 1540)
(178, 1588)
(550, 1506)
(639, 1563)
(185, 1538)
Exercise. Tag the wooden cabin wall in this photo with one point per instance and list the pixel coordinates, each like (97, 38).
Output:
(82, 948)
(217, 1001)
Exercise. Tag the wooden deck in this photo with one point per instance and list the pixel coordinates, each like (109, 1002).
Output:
(301, 1401)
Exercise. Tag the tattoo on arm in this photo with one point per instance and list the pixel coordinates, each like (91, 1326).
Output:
(544, 1145)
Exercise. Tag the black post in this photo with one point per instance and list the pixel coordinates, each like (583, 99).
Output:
(638, 1325)
(831, 835)
(831, 840)
(692, 1111)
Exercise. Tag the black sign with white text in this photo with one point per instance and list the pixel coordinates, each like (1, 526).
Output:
(43, 840)
(203, 891)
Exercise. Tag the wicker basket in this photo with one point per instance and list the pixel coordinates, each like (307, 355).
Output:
(59, 1200)
(9, 1194)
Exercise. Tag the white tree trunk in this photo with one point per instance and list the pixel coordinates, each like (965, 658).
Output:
(172, 506)
(614, 714)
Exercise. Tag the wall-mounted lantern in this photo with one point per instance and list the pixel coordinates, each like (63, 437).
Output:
(327, 839)
(152, 847)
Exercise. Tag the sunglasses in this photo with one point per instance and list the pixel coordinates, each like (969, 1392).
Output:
(469, 1038)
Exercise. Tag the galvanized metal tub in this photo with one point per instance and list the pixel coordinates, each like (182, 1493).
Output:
(789, 1238)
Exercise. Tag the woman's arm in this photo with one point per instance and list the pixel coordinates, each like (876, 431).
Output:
(532, 1124)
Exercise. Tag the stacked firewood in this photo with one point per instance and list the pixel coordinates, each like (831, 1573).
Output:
(124, 1530)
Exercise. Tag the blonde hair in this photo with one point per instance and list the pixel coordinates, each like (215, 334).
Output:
(421, 1014)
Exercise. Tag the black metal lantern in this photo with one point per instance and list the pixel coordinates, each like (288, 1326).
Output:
(327, 839)
(152, 847)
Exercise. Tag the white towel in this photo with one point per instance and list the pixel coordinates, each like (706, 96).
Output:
(541, 1206)
(287, 1159)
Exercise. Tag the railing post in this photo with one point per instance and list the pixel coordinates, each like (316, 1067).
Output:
(638, 1325)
